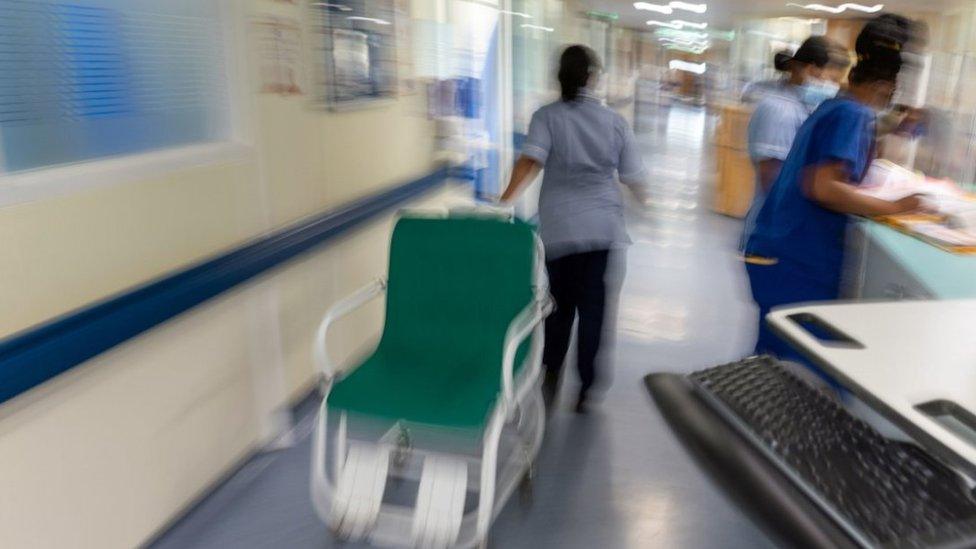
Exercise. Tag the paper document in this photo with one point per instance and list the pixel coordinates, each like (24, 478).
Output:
(943, 235)
(888, 181)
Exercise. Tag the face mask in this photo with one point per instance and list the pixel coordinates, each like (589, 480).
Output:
(815, 91)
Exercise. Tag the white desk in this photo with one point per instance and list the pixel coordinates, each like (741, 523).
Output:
(910, 353)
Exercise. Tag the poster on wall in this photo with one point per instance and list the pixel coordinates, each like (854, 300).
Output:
(281, 69)
(350, 52)
(358, 51)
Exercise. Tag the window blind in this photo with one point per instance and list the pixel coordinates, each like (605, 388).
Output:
(95, 78)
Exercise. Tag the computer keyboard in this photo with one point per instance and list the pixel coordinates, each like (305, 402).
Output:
(885, 493)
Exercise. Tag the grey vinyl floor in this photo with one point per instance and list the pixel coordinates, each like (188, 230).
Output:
(615, 478)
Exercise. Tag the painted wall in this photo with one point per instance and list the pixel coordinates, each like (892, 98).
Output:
(106, 454)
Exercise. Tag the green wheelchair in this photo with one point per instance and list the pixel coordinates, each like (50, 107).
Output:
(422, 443)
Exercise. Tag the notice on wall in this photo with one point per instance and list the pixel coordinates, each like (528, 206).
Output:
(280, 55)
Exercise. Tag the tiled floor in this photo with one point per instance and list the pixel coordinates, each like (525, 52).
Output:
(616, 478)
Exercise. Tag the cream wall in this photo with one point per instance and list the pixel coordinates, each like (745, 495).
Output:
(70, 250)
(104, 455)
(358, 151)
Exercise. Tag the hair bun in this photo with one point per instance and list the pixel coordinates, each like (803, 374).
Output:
(576, 64)
(781, 60)
(886, 32)
(879, 47)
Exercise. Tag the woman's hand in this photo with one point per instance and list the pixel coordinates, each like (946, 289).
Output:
(914, 203)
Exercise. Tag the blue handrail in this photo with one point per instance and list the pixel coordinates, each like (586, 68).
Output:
(40, 353)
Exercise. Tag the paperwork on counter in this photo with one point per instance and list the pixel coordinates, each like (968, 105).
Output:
(952, 223)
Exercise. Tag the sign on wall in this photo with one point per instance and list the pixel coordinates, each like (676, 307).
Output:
(280, 55)
(358, 50)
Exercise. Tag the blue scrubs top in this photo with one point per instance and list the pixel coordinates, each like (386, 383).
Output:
(790, 226)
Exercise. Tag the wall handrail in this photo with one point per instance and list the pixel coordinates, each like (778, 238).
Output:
(39, 353)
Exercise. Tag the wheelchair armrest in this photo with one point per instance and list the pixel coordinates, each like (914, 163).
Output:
(340, 309)
(519, 329)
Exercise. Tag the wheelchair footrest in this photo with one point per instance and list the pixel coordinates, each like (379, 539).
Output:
(359, 490)
(440, 502)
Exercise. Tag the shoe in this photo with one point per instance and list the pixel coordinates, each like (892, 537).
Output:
(550, 386)
(582, 404)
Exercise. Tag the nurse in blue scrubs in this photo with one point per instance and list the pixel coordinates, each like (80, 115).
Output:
(795, 251)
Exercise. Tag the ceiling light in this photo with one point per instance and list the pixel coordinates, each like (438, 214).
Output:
(805, 20)
(679, 65)
(340, 7)
(538, 27)
(659, 8)
(839, 9)
(697, 8)
(670, 40)
(668, 9)
(695, 50)
(685, 41)
(682, 33)
(368, 20)
(516, 14)
(677, 24)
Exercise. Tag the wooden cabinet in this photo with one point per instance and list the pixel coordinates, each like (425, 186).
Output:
(736, 181)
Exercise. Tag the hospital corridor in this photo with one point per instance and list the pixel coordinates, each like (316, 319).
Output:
(613, 478)
(487, 274)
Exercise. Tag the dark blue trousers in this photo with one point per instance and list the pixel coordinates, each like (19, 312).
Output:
(786, 283)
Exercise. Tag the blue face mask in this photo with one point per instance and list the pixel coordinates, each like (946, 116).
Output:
(814, 92)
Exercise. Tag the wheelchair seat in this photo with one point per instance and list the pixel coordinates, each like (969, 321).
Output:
(460, 349)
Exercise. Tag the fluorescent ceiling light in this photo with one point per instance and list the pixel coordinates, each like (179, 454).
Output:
(679, 65)
(368, 20)
(340, 7)
(659, 8)
(807, 20)
(538, 27)
(685, 41)
(677, 25)
(839, 9)
(668, 9)
(697, 8)
(695, 50)
(682, 34)
(516, 14)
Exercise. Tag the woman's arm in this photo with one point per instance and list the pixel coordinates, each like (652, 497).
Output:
(524, 172)
(827, 185)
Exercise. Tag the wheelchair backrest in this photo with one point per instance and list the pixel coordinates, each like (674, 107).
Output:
(455, 285)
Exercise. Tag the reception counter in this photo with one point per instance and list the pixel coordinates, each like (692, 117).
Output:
(884, 263)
